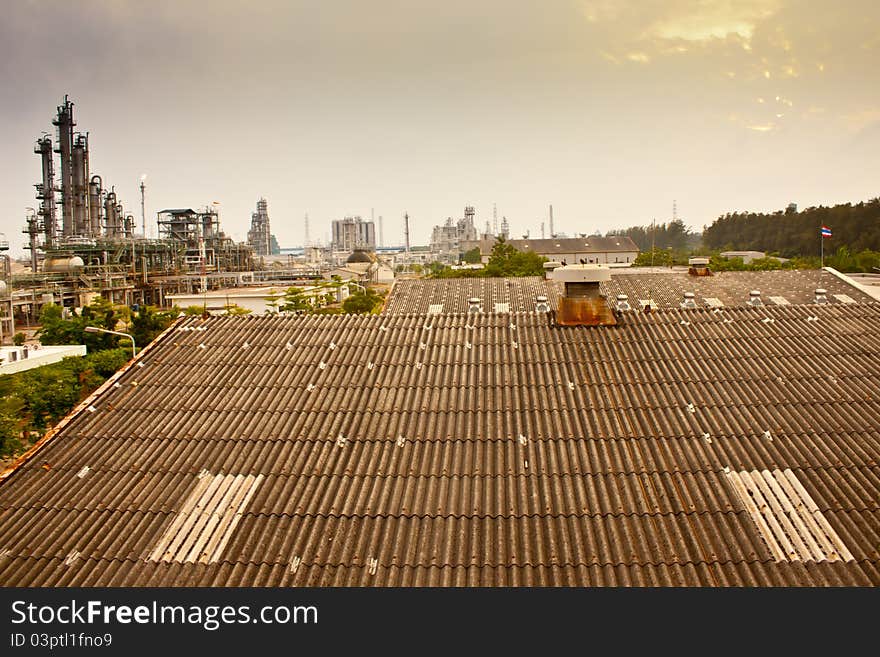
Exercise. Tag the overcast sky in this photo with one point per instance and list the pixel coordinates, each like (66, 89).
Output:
(608, 109)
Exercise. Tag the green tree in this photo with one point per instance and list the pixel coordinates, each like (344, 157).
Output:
(508, 261)
(295, 301)
(55, 329)
(362, 302)
(473, 256)
(147, 323)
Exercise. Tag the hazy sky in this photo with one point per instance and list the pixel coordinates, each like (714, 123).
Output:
(608, 109)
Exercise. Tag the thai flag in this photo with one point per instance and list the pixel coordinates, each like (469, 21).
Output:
(826, 231)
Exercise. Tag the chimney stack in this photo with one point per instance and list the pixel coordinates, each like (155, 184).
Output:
(582, 303)
(699, 266)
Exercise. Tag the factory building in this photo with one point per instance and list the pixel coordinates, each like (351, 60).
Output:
(353, 233)
(448, 240)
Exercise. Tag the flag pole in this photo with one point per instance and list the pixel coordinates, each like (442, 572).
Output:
(821, 249)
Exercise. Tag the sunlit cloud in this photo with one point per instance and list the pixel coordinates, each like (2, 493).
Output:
(713, 19)
(639, 57)
(764, 127)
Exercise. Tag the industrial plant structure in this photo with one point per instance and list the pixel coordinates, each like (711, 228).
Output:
(94, 248)
(260, 237)
(448, 241)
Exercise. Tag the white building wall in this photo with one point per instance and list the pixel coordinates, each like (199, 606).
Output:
(36, 357)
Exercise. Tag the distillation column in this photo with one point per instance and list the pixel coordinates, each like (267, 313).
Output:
(95, 192)
(64, 122)
(80, 176)
(46, 189)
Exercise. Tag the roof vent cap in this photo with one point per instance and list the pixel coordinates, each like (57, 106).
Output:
(541, 304)
(821, 296)
(688, 301)
(474, 305)
(623, 303)
(755, 298)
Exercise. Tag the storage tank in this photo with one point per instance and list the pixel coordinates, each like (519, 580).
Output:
(63, 265)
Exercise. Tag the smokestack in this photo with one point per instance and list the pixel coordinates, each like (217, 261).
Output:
(143, 206)
(583, 303)
(552, 232)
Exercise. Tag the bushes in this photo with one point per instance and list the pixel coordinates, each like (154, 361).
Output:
(33, 400)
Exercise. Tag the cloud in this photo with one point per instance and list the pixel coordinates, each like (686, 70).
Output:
(713, 19)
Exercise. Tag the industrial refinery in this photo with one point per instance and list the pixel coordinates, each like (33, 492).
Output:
(84, 242)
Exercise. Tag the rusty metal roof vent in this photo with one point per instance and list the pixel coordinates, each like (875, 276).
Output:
(755, 298)
(821, 296)
(622, 304)
(699, 266)
(583, 304)
(688, 301)
(541, 304)
(474, 305)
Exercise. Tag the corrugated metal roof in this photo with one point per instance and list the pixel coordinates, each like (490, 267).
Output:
(450, 295)
(563, 245)
(666, 290)
(731, 288)
(390, 453)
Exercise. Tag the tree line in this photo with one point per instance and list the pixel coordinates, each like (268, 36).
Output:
(790, 234)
